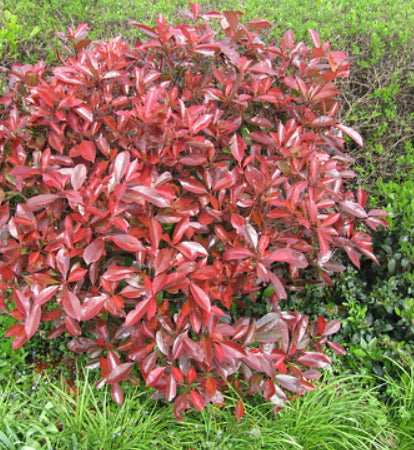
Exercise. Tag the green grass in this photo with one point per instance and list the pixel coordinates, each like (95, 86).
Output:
(38, 413)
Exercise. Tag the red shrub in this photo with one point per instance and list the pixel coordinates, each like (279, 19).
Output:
(146, 191)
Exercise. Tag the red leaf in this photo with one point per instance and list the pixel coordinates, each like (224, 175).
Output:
(155, 376)
(353, 134)
(137, 313)
(117, 393)
(290, 382)
(121, 163)
(87, 150)
(201, 123)
(40, 201)
(237, 253)
(239, 412)
(85, 112)
(180, 405)
(119, 373)
(45, 295)
(337, 348)
(32, 321)
(192, 185)
(92, 307)
(315, 38)
(127, 242)
(202, 299)
(77, 274)
(170, 388)
(78, 176)
(192, 249)
(72, 305)
(290, 256)
(197, 400)
(93, 251)
(354, 209)
(81, 345)
(232, 350)
(117, 273)
(332, 327)
(315, 359)
(178, 375)
(151, 195)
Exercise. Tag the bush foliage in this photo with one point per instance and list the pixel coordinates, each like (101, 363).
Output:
(147, 191)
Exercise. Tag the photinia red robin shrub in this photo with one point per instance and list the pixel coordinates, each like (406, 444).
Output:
(146, 192)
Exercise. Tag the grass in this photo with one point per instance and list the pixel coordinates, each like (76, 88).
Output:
(37, 412)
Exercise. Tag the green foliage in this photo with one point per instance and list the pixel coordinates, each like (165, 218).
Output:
(343, 414)
(399, 389)
(13, 33)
